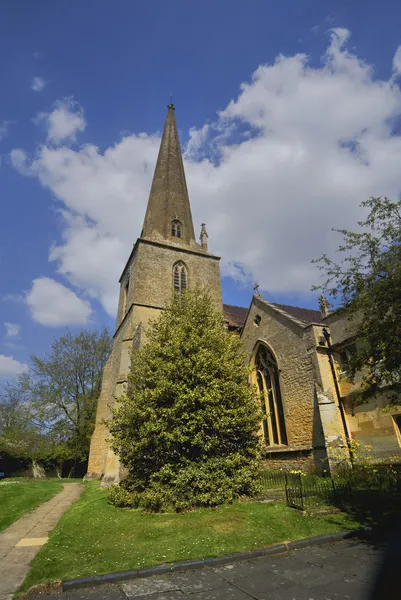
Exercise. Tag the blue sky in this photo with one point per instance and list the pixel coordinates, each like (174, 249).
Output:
(267, 143)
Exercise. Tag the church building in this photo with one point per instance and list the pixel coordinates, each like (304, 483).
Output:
(295, 357)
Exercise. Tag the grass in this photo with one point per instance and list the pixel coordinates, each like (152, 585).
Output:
(94, 537)
(19, 496)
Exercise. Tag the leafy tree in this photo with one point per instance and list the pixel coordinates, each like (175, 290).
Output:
(52, 408)
(367, 282)
(186, 430)
(17, 430)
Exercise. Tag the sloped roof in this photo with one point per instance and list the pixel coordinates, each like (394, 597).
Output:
(236, 315)
(306, 315)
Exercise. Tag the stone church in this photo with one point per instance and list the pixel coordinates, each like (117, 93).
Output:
(297, 352)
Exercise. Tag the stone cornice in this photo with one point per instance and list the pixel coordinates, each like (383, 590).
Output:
(129, 311)
(202, 253)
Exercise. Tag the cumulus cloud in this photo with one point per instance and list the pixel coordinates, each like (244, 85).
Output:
(9, 366)
(293, 155)
(52, 304)
(38, 84)
(397, 62)
(64, 122)
(12, 330)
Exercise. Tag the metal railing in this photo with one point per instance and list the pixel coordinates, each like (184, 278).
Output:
(306, 492)
(310, 494)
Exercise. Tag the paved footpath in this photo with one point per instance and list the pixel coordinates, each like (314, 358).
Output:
(23, 539)
(337, 571)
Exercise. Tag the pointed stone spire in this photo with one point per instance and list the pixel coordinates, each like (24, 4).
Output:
(168, 215)
(203, 237)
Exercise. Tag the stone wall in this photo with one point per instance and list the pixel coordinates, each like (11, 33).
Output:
(152, 273)
(371, 423)
(297, 459)
(296, 372)
(372, 426)
(149, 269)
(312, 412)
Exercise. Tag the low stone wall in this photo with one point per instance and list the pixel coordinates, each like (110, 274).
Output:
(293, 459)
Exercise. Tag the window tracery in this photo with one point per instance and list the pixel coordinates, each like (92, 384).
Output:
(268, 383)
(180, 277)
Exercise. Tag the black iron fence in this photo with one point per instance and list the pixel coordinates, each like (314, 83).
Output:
(274, 480)
(306, 492)
(310, 494)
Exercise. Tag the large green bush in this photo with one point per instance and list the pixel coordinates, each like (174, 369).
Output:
(186, 430)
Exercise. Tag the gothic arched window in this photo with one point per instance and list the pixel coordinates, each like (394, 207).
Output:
(267, 380)
(176, 228)
(180, 277)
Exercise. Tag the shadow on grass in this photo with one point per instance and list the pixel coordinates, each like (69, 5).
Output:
(378, 509)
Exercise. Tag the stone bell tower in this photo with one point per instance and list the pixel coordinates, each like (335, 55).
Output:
(165, 258)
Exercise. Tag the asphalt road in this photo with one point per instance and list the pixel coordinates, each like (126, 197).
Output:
(338, 571)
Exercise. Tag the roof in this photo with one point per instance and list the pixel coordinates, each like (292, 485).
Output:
(307, 315)
(236, 315)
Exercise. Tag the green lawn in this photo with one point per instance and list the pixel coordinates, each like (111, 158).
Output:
(19, 496)
(94, 537)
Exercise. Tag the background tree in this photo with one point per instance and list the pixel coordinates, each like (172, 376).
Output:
(17, 429)
(368, 283)
(53, 406)
(187, 428)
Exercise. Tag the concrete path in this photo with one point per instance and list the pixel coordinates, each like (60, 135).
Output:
(24, 538)
(337, 571)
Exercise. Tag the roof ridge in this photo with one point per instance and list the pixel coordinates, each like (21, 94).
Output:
(280, 310)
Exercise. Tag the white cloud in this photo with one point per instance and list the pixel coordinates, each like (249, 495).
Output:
(9, 366)
(397, 62)
(52, 304)
(4, 127)
(38, 84)
(19, 159)
(12, 330)
(291, 157)
(64, 122)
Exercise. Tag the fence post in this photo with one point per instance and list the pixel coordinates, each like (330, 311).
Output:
(301, 492)
(333, 485)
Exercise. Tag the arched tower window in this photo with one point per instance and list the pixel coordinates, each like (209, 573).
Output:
(176, 228)
(268, 383)
(180, 277)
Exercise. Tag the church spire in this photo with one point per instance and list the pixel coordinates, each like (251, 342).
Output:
(168, 215)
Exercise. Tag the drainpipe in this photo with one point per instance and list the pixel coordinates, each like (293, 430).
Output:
(326, 334)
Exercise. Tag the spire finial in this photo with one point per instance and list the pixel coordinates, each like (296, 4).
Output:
(256, 289)
(171, 105)
(324, 305)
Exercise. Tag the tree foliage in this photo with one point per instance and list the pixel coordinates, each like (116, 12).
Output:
(49, 412)
(186, 430)
(367, 282)
(19, 436)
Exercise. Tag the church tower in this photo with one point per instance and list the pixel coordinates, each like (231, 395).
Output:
(166, 257)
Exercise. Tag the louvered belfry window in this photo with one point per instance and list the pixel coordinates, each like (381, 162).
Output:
(268, 383)
(176, 228)
(180, 277)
